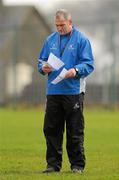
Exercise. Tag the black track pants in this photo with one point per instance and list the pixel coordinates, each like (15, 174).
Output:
(61, 109)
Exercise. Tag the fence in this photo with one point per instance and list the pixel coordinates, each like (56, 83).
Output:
(21, 83)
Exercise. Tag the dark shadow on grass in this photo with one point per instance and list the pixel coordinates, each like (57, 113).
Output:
(27, 173)
(32, 173)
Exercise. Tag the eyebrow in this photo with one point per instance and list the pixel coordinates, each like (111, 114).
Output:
(59, 24)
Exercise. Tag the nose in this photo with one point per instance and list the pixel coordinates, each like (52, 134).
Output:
(59, 27)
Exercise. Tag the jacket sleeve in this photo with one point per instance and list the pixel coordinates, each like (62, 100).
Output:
(86, 60)
(44, 54)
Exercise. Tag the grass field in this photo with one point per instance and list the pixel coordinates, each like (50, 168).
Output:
(22, 146)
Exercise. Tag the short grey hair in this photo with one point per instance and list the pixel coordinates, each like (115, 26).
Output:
(64, 13)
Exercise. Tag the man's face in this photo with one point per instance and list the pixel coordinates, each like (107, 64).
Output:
(63, 26)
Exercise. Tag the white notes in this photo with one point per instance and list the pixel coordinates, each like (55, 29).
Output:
(53, 62)
(60, 77)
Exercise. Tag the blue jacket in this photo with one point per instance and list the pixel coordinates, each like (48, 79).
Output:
(77, 53)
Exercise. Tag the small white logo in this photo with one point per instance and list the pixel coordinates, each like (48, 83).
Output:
(76, 106)
(71, 46)
(53, 46)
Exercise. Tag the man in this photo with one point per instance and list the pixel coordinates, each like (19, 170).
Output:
(65, 99)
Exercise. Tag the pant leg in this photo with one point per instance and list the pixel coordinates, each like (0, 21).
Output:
(53, 130)
(75, 130)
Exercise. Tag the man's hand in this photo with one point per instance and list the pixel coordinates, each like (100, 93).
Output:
(70, 73)
(46, 69)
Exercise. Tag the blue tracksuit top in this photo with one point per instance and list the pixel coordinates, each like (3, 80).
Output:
(77, 53)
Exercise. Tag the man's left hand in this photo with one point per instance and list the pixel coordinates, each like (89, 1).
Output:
(70, 73)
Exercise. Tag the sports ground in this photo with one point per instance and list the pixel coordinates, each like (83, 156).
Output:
(22, 146)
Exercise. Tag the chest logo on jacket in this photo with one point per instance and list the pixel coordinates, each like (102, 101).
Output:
(71, 47)
(53, 46)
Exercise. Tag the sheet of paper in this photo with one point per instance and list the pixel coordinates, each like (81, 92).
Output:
(60, 77)
(53, 62)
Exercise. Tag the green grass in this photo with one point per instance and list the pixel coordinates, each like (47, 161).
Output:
(22, 146)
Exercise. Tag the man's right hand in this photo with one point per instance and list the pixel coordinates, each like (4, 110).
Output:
(46, 69)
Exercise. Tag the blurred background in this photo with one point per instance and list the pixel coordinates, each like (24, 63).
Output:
(23, 27)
